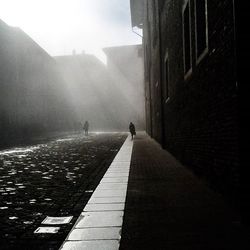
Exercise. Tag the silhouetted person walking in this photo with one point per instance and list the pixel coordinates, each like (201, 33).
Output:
(86, 128)
(132, 130)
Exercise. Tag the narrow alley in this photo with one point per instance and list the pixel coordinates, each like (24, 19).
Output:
(120, 126)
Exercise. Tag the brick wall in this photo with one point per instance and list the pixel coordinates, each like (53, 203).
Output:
(200, 120)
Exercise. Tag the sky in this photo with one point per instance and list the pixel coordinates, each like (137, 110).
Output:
(61, 26)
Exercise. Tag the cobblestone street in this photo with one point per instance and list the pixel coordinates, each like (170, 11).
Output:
(54, 178)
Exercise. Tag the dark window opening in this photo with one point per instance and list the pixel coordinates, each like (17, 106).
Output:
(187, 39)
(166, 86)
(201, 27)
(154, 23)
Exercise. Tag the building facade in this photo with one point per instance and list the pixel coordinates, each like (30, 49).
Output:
(109, 96)
(40, 94)
(125, 67)
(32, 100)
(191, 92)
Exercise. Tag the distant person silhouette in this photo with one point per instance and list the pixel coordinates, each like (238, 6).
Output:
(86, 128)
(132, 130)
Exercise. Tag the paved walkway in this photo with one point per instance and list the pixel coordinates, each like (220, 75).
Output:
(166, 207)
(100, 224)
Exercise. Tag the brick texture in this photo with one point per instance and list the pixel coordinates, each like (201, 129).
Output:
(199, 123)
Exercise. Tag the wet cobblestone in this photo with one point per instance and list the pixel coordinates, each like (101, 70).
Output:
(50, 179)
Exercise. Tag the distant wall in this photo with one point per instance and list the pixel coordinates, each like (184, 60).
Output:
(40, 94)
(31, 98)
(125, 67)
(109, 97)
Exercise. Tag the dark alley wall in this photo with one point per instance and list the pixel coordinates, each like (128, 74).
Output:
(31, 98)
(192, 105)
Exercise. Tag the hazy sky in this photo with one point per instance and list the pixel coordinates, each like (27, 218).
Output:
(60, 26)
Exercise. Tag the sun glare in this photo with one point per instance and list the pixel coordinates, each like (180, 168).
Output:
(61, 26)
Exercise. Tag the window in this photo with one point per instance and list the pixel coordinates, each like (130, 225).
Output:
(154, 23)
(146, 61)
(166, 79)
(187, 38)
(201, 29)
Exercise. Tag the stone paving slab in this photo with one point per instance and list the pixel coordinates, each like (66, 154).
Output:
(118, 170)
(109, 193)
(104, 207)
(120, 164)
(102, 217)
(111, 233)
(115, 180)
(116, 186)
(110, 175)
(119, 161)
(106, 200)
(91, 245)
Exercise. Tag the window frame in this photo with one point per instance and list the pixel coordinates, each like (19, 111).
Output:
(188, 72)
(166, 78)
(199, 58)
(154, 21)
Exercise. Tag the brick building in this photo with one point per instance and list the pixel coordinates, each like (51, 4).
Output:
(191, 92)
(32, 100)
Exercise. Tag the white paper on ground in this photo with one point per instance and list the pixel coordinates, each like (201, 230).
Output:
(57, 220)
(46, 230)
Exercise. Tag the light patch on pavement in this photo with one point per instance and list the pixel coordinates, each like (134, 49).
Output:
(89, 191)
(13, 218)
(18, 150)
(63, 140)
